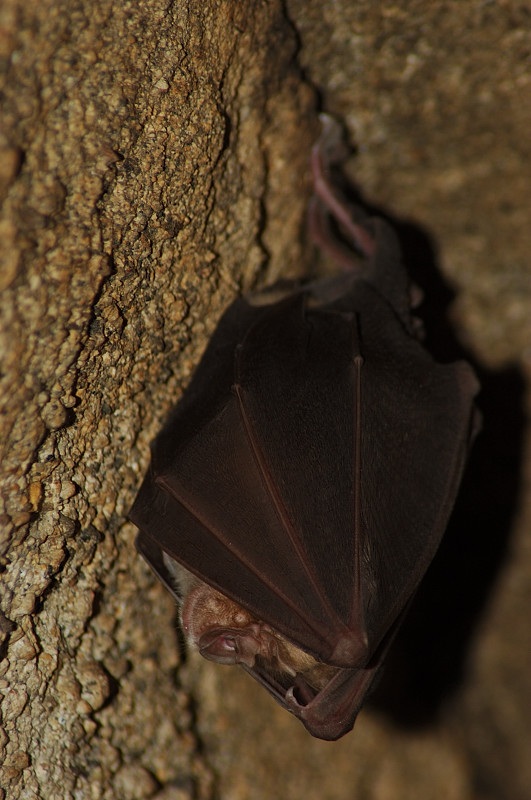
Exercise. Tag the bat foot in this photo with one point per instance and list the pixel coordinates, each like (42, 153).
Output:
(328, 204)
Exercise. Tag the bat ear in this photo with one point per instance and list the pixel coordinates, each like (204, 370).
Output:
(231, 645)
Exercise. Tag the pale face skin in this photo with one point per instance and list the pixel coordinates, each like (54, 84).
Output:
(225, 632)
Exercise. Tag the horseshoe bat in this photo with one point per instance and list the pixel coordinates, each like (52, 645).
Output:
(302, 485)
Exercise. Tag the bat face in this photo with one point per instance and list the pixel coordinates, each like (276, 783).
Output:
(301, 487)
(225, 632)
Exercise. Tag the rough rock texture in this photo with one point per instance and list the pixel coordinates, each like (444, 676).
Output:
(152, 164)
(144, 146)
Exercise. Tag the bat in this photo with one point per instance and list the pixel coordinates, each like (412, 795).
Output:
(300, 488)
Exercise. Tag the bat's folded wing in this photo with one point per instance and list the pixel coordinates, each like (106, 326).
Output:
(312, 476)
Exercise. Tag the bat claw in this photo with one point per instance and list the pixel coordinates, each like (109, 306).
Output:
(327, 202)
(295, 500)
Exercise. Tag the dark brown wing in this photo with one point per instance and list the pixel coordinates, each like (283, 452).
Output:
(310, 473)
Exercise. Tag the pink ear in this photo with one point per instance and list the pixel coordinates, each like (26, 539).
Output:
(231, 645)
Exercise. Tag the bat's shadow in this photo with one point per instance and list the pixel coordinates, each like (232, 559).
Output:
(426, 664)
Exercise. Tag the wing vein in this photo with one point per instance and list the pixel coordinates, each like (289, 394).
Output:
(238, 554)
(357, 604)
(281, 511)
